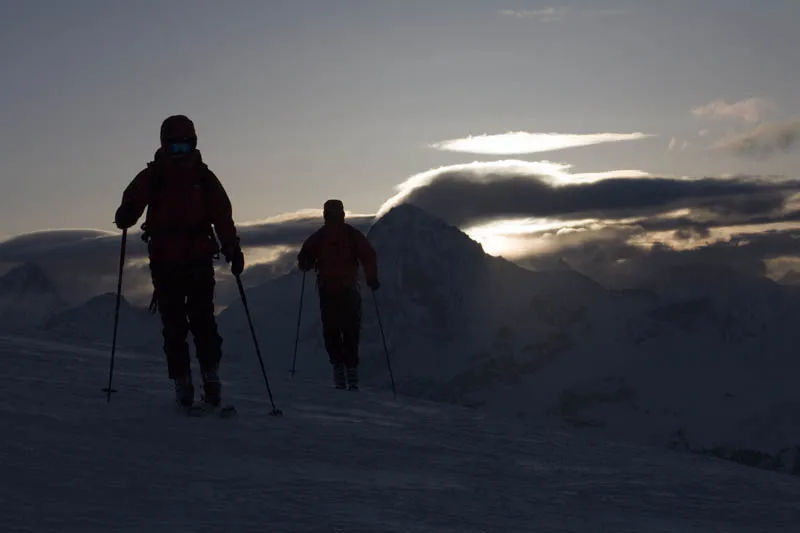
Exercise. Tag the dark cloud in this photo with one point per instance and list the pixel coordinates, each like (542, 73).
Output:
(764, 141)
(702, 225)
(461, 199)
(291, 229)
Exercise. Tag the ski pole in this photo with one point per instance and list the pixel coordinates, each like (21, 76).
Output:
(385, 349)
(108, 390)
(297, 335)
(275, 411)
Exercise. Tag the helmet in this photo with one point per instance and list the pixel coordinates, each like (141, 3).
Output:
(178, 128)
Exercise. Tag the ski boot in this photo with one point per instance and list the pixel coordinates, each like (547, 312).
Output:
(212, 388)
(352, 378)
(339, 376)
(184, 391)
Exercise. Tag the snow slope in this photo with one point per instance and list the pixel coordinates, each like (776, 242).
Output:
(709, 361)
(337, 461)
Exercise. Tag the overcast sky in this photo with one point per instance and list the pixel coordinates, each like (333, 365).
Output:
(296, 101)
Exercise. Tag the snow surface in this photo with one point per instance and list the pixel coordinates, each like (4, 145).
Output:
(336, 461)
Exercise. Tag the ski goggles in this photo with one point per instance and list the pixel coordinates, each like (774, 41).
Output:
(180, 147)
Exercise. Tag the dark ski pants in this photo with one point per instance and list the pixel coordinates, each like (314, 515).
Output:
(341, 324)
(184, 293)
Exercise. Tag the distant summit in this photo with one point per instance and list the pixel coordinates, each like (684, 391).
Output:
(27, 297)
(94, 321)
(26, 279)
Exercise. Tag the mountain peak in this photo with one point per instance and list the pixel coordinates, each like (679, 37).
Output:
(408, 216)
(26, 278)
(408, 227)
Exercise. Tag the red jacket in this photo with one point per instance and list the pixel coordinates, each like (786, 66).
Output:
(335, 250)
(184, 199)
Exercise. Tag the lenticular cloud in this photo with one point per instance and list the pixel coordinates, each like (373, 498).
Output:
(522, 142)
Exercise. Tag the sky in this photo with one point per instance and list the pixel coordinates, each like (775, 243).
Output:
(480, 111)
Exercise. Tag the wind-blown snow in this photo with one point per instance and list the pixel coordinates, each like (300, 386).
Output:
(337, 461)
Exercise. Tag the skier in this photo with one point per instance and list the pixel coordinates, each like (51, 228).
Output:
(335, 250)
(184, 199)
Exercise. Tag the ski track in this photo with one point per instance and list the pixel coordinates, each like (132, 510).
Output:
(337, 461)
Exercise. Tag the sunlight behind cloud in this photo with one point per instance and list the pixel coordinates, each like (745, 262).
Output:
(521, 142)
(512, 238)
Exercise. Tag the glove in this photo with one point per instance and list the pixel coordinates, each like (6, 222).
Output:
(373, 284)
(236, 258)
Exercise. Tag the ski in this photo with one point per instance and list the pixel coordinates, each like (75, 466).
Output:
(201, 410)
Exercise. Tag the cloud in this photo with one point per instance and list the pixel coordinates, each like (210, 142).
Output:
(84, 262)
(521, 142)
(80, 261)
(552, 14)
(549, 14)
(292, 228)
(673, 142)
(677, 144)
(764, 141)
(750, 110)
(627, 255)
(609, 223)
(470, 194)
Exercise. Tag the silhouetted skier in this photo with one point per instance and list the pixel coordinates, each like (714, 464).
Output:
(335, 251)
(184, 199)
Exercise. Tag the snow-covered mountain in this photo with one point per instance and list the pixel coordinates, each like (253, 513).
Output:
(706, 360)
(442, 301)
(27, 297)
(94, 322)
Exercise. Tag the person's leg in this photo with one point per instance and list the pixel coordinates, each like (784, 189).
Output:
(170, 294)
(351, 335)
(332, 333)
(203, 325)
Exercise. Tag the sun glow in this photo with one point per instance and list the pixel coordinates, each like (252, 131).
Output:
(515, 238)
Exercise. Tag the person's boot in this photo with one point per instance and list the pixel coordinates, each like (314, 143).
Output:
(338, 376)
(184, 391)
(352, 378)
(212, 387)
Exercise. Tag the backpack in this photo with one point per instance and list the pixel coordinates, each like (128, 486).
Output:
(157, 182)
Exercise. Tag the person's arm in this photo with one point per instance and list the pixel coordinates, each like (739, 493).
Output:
(368, 259)
(221, 213)
(134, 200)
